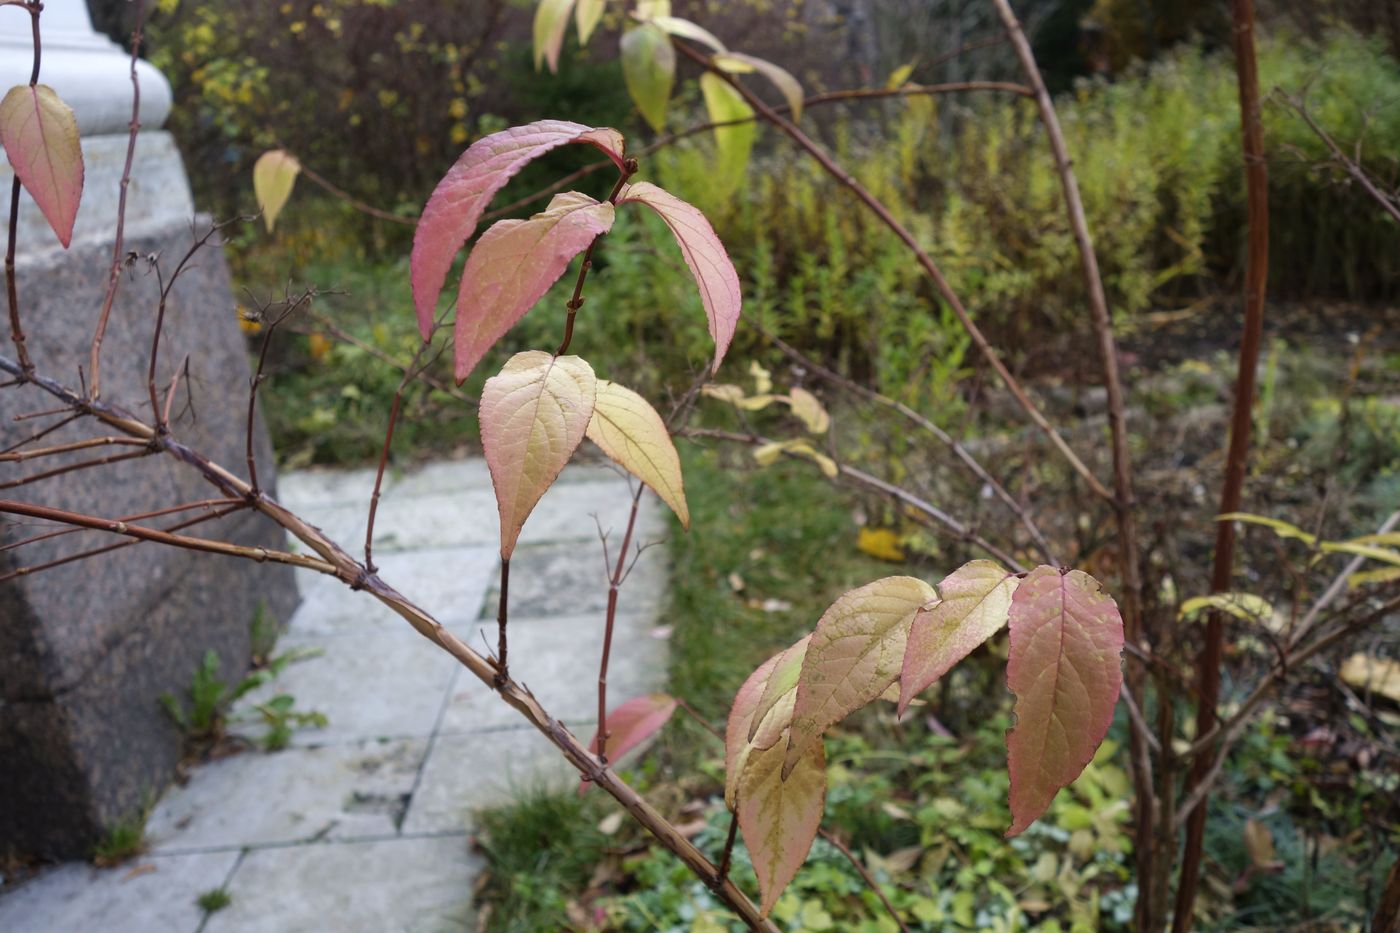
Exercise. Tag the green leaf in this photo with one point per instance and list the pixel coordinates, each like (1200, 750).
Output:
(586, 17)
(1281, 528)
(632, 434)
(787, 85)
(1385, 555)
(734, 142)
(649, 69)
(857, 650)
(1244, 606)
(551, 19)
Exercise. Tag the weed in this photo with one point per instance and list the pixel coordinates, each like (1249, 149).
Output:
(215, 899)
(124, 840)
(205, 720)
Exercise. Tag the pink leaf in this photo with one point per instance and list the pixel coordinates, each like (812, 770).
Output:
(780, 816)
(857, 650)
(514, 264)
(704, 254)
(633, 723)
(533, 416)
(975, 600)
(40, 135)
(1066, 651)
(755, 721)
(458, 200)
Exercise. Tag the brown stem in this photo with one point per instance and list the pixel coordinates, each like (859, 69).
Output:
(629, 168)
(722, 873)
(353, 201)
(11, 287)
(345, 567)
(70, 446)
(137, 517)
(869, 879)
(114, 277)
(502, 676)
(126, 542)
(1349, 165)
(39, 435)
(1129, 556)
(260, 554)
(145, 451)
(1237, 458)
(614, 583)
(878, 208)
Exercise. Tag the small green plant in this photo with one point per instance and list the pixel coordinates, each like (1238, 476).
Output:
(263, 633)
(205, 720)
(124, 840)
(214, 900)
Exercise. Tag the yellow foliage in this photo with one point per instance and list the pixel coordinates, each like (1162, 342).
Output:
(881, 544)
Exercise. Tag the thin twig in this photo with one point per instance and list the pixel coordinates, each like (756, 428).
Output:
(114, 277)
(21, 455)
(614, 583)
(145, 451)
(869, 879)
(629, 168)
(11, 288)
(878, 207)
(136, 517)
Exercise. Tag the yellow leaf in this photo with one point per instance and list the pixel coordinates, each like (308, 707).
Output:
(273, 176)
(762, 379)
(320, 345)
(806, 406)
(881, 544)
(631, 433)
(1377, 675)
(1244, 606)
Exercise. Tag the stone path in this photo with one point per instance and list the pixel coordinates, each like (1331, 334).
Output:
(364, 825)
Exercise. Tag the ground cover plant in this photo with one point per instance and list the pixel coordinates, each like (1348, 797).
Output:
(1070, 653)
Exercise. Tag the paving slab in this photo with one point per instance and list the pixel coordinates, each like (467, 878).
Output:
(466, 773)
(155, 894)
(295, 795)
(419, 885)
(571, 578)
(557, 658)
(410, 677)
(451, 583)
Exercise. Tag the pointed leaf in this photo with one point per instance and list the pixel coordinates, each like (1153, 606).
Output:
(632, 723)
(649, 69)
(274, 174)
(780, 816)
(1383, 554)
(551, 19)
(741, 722)
(782, 681)
(685, 29)
(40, 135)
(856, 652)
(632, 434)
(586, 17)
(704, 254)
(735, 140)
(1278, 526)
(806, 406)
(1065, 669)
(1244, 606)
(533, 416)
(514, 264)
(787, 85)
(975, 600)
(457, 202)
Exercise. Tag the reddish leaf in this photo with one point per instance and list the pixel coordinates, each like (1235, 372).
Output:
(1066, 652)
(632, 723)
(40, 135)
(761, 713)
(533, 416)
(857, 650)
(780, 816)
(741, 725)
(514, 264)
(450, 216)
(975, 600)
(704, 254)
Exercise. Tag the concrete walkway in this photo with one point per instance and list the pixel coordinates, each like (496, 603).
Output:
(364, 825)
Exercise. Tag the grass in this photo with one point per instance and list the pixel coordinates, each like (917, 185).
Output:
(214, 900)
(124, 840)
